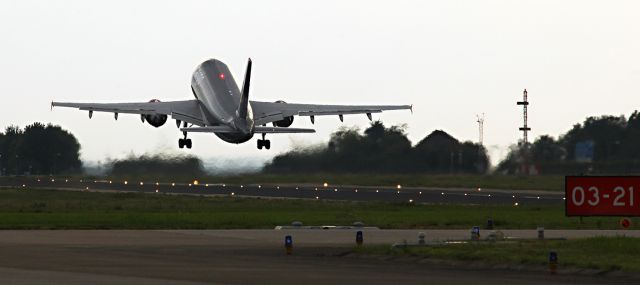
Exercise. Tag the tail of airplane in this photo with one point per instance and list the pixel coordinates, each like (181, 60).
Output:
(244, 100)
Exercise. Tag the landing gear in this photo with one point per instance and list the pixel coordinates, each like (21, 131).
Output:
(185, 142)
(264, 143)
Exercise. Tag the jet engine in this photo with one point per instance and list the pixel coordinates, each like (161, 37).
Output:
(286, 122)
(154, 120)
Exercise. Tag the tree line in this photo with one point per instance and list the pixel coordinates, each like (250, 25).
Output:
(604, 144)
(383, 150)
(39, 149)
(158, 165)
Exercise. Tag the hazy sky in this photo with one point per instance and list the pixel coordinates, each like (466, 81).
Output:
(451, 59)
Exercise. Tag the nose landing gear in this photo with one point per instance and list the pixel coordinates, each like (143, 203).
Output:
(264, 143)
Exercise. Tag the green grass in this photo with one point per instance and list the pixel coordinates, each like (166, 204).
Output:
(599, 253)
(54, 209)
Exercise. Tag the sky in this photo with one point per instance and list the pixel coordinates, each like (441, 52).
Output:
(451, 59)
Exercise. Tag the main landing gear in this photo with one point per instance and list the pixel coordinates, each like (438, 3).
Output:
(264, 143)
(185, 142)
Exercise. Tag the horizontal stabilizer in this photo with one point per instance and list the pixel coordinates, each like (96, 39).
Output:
(261, 130)
(280, 130)
(211, 129)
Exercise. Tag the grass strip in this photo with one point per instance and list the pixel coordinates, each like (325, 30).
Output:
(56, 209)
(598, 253)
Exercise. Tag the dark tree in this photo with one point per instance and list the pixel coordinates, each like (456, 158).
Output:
(607, 132)
(629, 147)
(615, 148)
(378, 150)
(158, 165)
(39, 149)
(439, 152)
(10, 150)
(544, 152)
(546, 149)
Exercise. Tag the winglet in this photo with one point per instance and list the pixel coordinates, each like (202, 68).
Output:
(244, 100)
(51, 105)
(411, 108)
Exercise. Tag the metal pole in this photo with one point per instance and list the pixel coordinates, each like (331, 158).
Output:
(480, 128)
(525, 129)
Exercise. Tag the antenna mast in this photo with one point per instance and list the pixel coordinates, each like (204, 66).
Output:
(525, 128)
(480, 128)
(524, 150)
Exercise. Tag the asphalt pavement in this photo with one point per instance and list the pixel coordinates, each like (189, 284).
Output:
(396, 193)
(250, 257)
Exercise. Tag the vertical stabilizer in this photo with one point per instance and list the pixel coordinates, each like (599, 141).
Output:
(244, 100)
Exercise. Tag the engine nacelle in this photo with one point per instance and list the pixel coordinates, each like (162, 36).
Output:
(154, 120)
(286, 122)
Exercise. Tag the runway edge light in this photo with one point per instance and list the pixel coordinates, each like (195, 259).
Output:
(359, 238)
(553, 262)
(475, 233)
(288, 244)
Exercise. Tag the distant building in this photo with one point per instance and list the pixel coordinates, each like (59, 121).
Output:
(440, 152)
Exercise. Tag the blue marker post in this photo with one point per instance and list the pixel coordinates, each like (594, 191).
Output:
(553, 262)
(359, 238)
(475, 233)
(288, 244)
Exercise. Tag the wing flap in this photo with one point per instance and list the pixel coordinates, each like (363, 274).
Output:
(187, 111)
(123, 111)
(329, 112)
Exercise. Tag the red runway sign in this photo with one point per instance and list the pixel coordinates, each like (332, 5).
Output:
(602, 195)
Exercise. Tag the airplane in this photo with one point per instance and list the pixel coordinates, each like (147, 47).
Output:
(221, 108)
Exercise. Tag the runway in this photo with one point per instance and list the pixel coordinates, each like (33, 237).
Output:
(247, 257)
(307, 191)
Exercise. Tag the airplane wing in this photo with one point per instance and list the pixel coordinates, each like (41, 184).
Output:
(267, 112)
(258, 129)
(187, 111)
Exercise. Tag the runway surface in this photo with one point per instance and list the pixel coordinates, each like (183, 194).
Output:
(332, 192)
(247, 257)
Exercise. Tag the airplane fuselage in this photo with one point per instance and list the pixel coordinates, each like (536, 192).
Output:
(214, 86)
